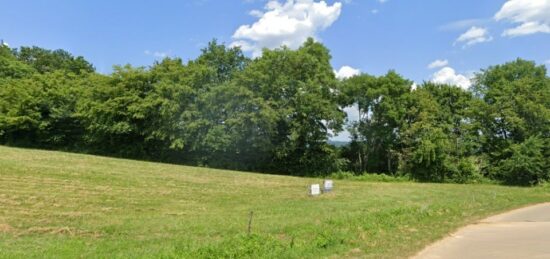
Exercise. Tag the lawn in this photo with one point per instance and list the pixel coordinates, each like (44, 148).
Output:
(63, 205)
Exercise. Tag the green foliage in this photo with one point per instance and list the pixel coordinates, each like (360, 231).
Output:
(241, 246)
(275, 114)
(382, 106)
(298, 86)
(368, 177)
(236, 126)
(438, 139)
(514, 119)
(10, 67)
(41, 110)
(527, 163)
(44, 60)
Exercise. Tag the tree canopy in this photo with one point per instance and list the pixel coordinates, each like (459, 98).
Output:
(276, 113)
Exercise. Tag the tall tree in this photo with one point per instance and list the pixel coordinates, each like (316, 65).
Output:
(382, 105)
(44, 60)
(10, 67)
(438, 136)
(515, 108)
(299, 86)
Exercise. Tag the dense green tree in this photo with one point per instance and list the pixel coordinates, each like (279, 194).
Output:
(115, 113)
(238, 131)
(41, 110)
(527, 162)
(10, 67)
(276, 112)
(299, 86)
(223, 62)
(438, 137)
(382, 103)
(515, 107)
(44, 60)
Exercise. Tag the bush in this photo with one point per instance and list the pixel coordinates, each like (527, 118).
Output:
(527, 164)
(368, 177)
(463, 170)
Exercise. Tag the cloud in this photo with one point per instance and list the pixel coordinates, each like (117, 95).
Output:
(532, 16)
(526, 29)
(346, 72)
(288, 24)
(462, 24)
(352, 116)
(448, 75)
(352, 112)
(156, 54)
(438, 63)
(256, 13)
(473, 36)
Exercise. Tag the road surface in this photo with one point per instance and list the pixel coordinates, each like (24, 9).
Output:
(522, 233)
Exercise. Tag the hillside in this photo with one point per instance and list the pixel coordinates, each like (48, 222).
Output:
(55, 204)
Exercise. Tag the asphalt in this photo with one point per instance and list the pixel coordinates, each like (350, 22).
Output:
(521, 233)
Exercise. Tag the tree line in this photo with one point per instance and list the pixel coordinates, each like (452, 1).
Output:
(276, 113)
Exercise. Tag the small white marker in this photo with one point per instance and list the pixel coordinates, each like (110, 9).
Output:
(315, 190)
(328, 185)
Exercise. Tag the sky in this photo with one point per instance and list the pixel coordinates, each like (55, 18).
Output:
(443, 41)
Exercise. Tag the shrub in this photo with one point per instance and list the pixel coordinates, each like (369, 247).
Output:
(527, 163)
(368, 177)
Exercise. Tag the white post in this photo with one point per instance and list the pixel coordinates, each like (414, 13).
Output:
(328, 185)
(315, 190)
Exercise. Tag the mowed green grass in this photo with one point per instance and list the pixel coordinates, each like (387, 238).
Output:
(62, 205)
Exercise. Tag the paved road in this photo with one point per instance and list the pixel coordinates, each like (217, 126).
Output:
(522, 233)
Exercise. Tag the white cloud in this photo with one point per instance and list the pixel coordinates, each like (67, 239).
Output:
(346, 72)
(532, 16)
(462, 24)
(382, 1)
(352, 116)
(548, 61)
(448, 75)
(256, 13)
(374, 11)
(352, 112)
(287, 24)
(526, 29)
(438, 63)
(156, 54)
(473, 36)
(414, 86)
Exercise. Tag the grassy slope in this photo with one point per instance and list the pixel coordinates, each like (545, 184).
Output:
(55, 204)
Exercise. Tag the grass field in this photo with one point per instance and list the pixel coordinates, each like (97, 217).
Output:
(62, 205)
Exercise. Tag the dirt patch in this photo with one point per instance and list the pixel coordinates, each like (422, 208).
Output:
(5, 228)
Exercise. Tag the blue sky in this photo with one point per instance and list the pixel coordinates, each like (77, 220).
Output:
(372, 36)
